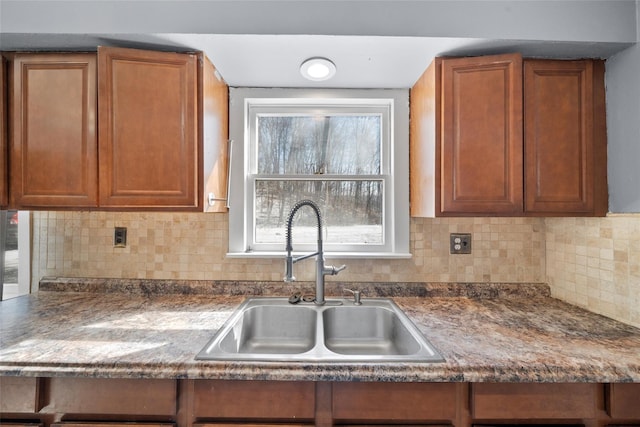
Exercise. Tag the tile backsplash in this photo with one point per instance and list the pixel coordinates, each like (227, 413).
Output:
(193, 246)
(595, 263)
(590, 262)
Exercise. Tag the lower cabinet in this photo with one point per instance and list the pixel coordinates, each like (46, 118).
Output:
(95, 402)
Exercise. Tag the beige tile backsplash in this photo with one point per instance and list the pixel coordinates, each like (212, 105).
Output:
(595, 263)
(590, 262)
(193, 246)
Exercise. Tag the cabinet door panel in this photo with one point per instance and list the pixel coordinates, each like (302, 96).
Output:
(559, 154)
(18, 394)
(53, 144)
(624, 401)
(4, 191)
(148, 128)
(394, 401)
(254, 399)
(481, 137)
(106, 424)
(111, 396)
(533, 401)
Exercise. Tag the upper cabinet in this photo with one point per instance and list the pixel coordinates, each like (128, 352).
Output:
(148, 128)
(53, 140)
(565, 137)
(4, 191)
(500, 136)
(125, 129)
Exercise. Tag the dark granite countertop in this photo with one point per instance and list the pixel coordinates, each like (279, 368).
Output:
(496, 332)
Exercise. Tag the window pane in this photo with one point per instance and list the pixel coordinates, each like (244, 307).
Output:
(343, 145)
(351, 210)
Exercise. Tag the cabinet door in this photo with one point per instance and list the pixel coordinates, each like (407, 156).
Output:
(534, 401)
(268, 400)
(111, 396)
(481, 135)
(148, 129)
(565, 150)
(4, 193)
(394, 402)
(18, 395)
(624, 401)
(53, 145)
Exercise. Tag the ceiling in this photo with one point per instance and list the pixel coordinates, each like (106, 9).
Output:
(370, 50)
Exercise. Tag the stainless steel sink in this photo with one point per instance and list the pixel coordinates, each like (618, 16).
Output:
(367, 330)
(339, 331)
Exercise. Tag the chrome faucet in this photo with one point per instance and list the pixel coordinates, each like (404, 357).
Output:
(321, 269)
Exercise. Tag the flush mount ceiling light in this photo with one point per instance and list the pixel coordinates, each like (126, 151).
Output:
(317, 69)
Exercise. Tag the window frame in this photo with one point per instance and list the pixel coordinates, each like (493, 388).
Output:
(246, 103)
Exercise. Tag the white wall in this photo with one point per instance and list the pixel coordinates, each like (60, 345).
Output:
(623, 127)
(559, 20)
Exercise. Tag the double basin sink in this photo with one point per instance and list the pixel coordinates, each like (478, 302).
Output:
(270, 329)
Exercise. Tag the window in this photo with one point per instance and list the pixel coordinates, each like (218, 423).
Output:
(347, 150)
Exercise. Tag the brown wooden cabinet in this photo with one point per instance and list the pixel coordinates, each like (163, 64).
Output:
(216, 400)
(533, 401)
(53, 142)
(481, 150)
(124, 130)
(148, 128)
(110, 396)
(394, 402)
(4, 189)
(162, 130)
(500, 136)
(19, 395)
(109, 402)
(565, 134)
(623, 401)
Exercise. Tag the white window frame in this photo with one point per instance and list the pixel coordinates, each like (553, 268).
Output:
(245, 103)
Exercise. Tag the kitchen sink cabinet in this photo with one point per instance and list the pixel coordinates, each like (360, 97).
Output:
(53, 137)
(502, 136)
(125, 129)
(104, 402)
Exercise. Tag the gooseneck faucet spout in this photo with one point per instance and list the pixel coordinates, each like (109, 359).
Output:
(321, 269)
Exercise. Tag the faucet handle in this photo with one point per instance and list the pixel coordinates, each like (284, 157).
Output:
(356, 296)
(336, 270)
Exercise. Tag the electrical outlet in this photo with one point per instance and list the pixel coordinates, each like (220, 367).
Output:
(120, 237)
(460, 243)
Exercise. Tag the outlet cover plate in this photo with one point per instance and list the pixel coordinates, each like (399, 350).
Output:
(120, 237)
(460, 243)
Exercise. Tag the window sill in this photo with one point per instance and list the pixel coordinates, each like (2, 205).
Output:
(327, 255)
